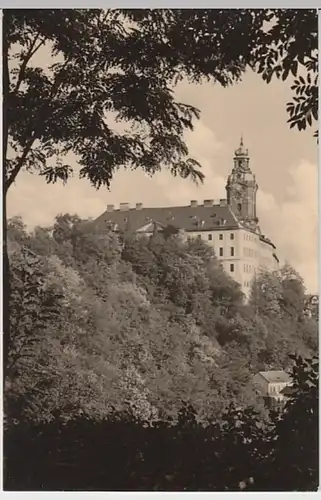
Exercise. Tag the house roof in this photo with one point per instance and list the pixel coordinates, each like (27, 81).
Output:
(275, 376)
(288, 391)
(187, 218)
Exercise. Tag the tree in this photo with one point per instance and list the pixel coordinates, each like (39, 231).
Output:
(110, 61)
(129, 61)
(293, 292)
(295, 435)
(34, 306)
(266, 292)
(290, 49)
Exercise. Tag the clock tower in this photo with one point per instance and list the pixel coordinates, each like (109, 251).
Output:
(241, 187)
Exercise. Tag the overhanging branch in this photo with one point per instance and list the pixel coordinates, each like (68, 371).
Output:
(32, 50)
(40, 123)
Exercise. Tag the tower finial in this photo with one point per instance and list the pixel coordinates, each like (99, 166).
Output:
(241, 150)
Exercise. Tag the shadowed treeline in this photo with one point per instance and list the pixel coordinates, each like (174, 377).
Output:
(121, 453)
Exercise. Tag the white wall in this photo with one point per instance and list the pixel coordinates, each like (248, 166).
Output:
(271, 389)
(223, 239)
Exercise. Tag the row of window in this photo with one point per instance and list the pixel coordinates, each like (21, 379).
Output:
(221, 252)
(248, 268)
(249, 237)
(221, 249)
(220, 237)
(249, 252)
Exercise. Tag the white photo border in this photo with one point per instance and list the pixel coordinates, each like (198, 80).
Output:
(230, 4)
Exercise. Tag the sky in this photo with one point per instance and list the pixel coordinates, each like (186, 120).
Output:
(284, 161)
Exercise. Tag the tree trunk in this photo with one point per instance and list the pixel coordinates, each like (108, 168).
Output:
(6, 267)
(6, 295)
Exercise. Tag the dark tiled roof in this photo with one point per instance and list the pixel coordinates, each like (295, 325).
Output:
(188, 218)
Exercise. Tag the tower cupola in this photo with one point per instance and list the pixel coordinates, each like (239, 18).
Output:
(241, 151)
(241, 186)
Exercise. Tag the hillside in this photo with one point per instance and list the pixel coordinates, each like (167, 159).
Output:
(145, 325)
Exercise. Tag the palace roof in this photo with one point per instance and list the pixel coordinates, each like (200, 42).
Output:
(206, 217)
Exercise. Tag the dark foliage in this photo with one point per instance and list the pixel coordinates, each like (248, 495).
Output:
(239, 452)
(122, 454)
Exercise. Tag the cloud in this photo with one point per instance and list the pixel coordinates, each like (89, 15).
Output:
(39, 203)
(293, 223)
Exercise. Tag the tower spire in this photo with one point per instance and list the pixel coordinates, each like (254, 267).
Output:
(241, 185)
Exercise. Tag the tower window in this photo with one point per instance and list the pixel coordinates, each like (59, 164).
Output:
(232, 251)
(221, 252)
(232, 236)
(232, 268)
(210, 237)
(221, 236)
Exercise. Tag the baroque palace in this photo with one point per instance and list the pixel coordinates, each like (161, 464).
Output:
(230, 226)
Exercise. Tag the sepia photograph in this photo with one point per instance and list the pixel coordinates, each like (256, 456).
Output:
(160, 250)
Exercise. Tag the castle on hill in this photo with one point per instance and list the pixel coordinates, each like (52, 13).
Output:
(230, 225)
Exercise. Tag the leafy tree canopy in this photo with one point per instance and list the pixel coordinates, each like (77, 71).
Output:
(124, 64)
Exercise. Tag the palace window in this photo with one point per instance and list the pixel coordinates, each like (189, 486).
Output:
(220, 236)
(232, 251)
(232, 268)
(232, 236)
(221, 252)
(210, 237)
